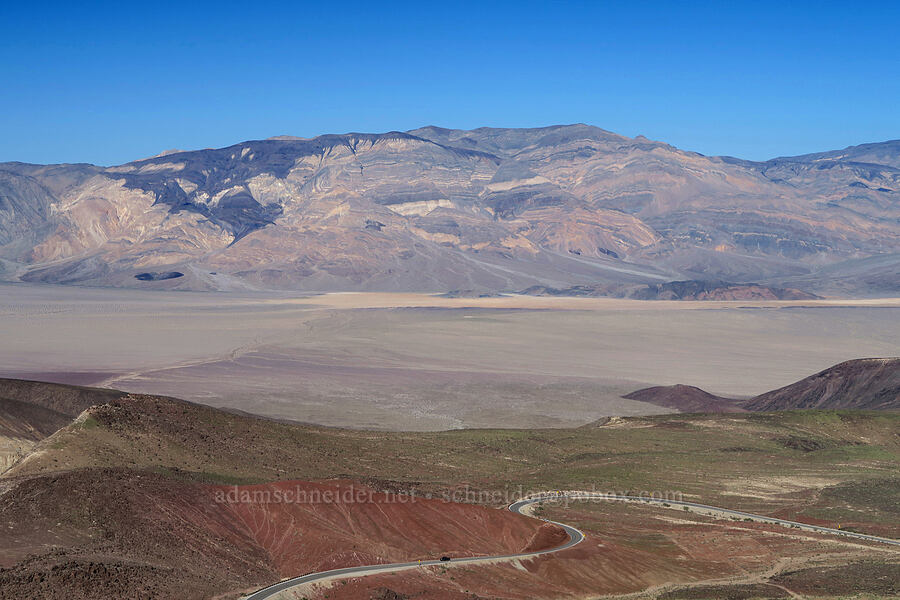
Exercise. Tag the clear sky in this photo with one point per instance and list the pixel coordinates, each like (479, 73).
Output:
(108, 83)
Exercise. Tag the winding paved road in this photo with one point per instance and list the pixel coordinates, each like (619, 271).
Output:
(575, 537)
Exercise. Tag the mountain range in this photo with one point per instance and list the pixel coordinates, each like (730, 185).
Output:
(440, 210)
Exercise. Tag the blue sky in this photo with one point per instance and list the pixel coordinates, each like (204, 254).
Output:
(108, 83)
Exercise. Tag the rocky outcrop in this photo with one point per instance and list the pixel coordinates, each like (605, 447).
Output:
(717, 290)
(12, 449)
(549, 535)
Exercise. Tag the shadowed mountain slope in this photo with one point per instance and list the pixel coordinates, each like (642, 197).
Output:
(32, 410)
(68, 400)
(29, 421)
(866, 383)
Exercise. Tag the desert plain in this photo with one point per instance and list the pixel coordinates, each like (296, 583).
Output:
(427, 362)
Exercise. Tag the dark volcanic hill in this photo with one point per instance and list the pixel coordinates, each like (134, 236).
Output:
(437, 210)
(686, 399)
(867, 383)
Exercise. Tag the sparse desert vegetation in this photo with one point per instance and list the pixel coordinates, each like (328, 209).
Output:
(762, 461)
(125, 493)
(94, 481)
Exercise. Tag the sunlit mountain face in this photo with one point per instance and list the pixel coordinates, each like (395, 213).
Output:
(441, 210)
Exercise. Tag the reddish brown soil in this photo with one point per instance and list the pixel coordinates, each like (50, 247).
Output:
(119, 533)
(628, 549)
(548, 536)
(360, 526)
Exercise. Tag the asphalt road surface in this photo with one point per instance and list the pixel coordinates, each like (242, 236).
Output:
(575, 537)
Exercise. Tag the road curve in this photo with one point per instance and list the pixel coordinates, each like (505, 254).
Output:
(575, 537)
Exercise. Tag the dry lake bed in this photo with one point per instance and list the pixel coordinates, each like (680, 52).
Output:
(412, 361)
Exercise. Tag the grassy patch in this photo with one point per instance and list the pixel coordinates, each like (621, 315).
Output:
(727, 592)
(205, 477)
(879, 578)
(90, 423)
(881, 495)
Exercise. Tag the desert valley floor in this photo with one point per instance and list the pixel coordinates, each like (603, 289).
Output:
(512, 361)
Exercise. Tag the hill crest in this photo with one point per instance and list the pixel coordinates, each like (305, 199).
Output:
(865, 383)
